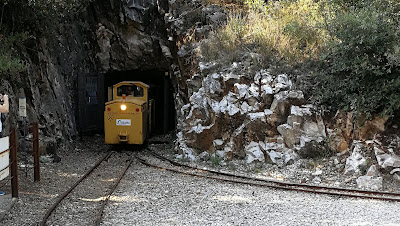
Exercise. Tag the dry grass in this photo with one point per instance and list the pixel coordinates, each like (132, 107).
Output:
(287, 30)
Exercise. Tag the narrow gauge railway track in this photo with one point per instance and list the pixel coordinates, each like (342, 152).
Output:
(224, 176)
(90, 209)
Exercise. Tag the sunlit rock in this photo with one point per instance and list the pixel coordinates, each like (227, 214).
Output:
(282, 83)
(370, 182)
(385, 160)
(253, 152)
(356, 163)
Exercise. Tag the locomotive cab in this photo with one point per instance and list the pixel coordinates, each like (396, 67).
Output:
(128, 113)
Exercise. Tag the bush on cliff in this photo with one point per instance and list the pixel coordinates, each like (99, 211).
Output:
(352, 46)
(359, 69)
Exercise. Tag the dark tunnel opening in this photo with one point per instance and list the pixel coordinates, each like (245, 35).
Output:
(161, 91)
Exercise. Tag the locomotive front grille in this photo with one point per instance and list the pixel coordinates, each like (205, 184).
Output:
(123, 137)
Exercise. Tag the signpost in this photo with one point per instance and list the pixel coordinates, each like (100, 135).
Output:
(22, 113)
(22, 107)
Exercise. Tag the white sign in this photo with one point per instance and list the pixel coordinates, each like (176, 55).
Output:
(4, 158)
(123, 122)
(22, 106)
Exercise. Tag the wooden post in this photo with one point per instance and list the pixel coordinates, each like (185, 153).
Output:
(14, 163)
(36, 153)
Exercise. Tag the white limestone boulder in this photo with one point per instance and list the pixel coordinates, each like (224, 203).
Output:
(254, 152)
(356, 162)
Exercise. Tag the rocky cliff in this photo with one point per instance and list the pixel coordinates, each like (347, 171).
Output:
(107, 36)
(228, 111)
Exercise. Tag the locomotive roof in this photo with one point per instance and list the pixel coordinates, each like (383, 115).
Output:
(131, 101)
(132, 82)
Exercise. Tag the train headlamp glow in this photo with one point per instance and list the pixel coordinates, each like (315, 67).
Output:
(123, 107)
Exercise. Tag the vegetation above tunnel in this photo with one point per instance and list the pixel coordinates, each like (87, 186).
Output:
(351, 48)
(22, 22)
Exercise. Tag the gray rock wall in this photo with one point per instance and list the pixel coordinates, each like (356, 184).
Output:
(111, 35)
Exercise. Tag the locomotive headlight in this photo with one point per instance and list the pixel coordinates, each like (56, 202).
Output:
(123, 107)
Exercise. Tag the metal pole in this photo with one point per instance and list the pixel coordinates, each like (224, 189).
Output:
(26, 158)
(14, 163)
(36, 153)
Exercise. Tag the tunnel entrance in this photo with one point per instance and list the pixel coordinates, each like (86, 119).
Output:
(92, 95)
(160, 91)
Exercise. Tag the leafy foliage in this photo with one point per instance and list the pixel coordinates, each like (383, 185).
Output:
(10, 63)
(20, 19)
(38, 15)
(359, 69)
(352, 46)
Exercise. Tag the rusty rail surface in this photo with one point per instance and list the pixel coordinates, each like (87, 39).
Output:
(101, 210)
(54, 206)
(357, 193)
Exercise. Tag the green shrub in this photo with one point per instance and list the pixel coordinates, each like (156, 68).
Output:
(359, 69)
(10, 63)
(20, 19)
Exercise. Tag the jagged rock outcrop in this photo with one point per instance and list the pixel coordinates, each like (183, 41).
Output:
(133, 37)
(225, 110)
(233, 112)
(253, 115)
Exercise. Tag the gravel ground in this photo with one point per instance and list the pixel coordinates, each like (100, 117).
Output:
(36, 197)
(84, 201)
(148, 196)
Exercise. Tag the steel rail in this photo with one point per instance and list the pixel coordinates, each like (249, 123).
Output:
(278, 182)
(101, 210)
(53, 207)
(290, 186)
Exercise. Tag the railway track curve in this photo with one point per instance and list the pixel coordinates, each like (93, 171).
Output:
(300, 187)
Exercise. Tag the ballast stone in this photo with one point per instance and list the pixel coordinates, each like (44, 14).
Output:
(370, 182)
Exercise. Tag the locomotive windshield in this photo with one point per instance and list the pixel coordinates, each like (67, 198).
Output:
(130, 90)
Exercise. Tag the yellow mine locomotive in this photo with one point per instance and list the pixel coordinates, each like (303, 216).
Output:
(128, 113)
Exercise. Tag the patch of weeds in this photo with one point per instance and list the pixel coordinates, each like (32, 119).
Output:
(216, 160)
(184, 160)
(169, 146)
(310, 164)
(232, 166)
(258, 167)
(258, 170)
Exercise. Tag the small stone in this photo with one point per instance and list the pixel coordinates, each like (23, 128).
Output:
(395, 170)
(396, 177)
(204, 156)
(317, 180)
(372, 171)
(369, 182)
(317, 172)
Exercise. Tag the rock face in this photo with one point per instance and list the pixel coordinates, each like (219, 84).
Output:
(356, 163)
(133, 37)
(230, 111)
(253, 115)
(111, 35)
